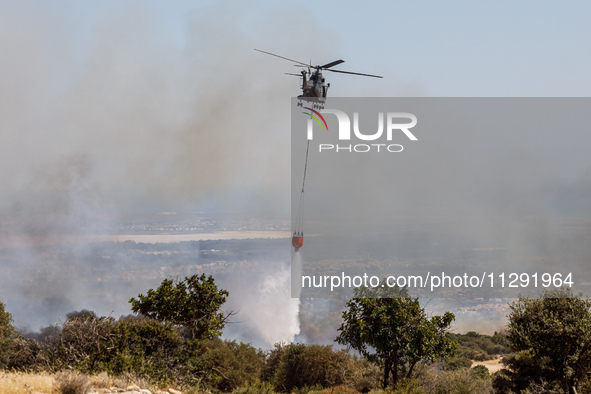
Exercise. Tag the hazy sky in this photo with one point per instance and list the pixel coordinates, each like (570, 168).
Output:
(456, 48)
(110, 107)
(152, 105)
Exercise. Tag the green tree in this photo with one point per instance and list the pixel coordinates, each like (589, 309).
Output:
(391, 329)
(6, 327)
(553, 337)
(193, 303)
(6, 331)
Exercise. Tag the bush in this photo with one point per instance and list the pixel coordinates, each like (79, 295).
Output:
(366, 376)
(408, 386)
(6, 327)
(475, 346)
(500, 338)
(73, 383)
(342, 389)
(231, 365)
(27, 354)
(480, 371)
(6, 331)
(455, 363)
(256, 387)
(553, 333)
(455, 382)
(144, 347)
(524, 369)
(477, 356)
(502, 382)
(296, 366)
(147, 348)
(83, 342)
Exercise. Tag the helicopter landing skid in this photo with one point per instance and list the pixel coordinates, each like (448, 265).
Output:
(315, 106)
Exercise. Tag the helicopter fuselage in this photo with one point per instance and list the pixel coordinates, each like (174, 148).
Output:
(314, 88)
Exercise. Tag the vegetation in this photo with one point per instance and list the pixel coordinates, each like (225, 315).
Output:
(547, 348)
(473, 346)
(455, 382)
(297, 366)
(391, 329)
(25, 383)
(551, 336)
(6, 327)
(6, 331)
(229, 365)
(193, 303)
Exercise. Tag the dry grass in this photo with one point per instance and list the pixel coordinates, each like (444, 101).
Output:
(63, 382)
(105, 381)
(72, 383)
(342, 389)
(27, 383)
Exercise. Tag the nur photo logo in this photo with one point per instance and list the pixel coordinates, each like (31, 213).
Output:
(389, 126)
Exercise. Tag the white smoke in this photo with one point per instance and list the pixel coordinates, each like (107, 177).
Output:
(296, 274)
(266, 310)
(115, 116)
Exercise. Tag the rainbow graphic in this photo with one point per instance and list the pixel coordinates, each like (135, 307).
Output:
(315, 118)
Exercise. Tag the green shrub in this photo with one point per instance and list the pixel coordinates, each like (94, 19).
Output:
(478, 347)
(83, 343)
(230, 364)
(296, 366)
(257, 387)
(144, 347)
(478, 356)
(455, 382)
(480, 371)
(553, 334)
(366, 376)
(26, 355)
(456, 363)
(149, 349)
(6, 331)
(409, 386)
(524, 368)
(6, 327)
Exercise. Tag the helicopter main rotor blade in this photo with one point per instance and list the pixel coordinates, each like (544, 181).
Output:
(297, 75)
(349, 72)
(332, 64)
(272, 54)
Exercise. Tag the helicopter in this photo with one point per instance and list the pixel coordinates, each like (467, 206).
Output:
(314, 86)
